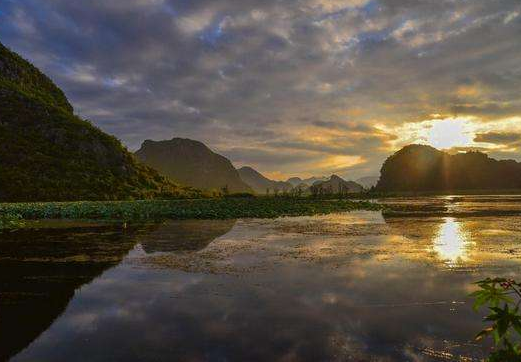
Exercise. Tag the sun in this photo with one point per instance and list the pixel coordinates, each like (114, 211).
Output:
(448, 133)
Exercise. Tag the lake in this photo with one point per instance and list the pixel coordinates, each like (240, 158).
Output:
(359, 286)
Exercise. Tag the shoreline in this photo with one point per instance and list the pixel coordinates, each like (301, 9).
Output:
(14, 214)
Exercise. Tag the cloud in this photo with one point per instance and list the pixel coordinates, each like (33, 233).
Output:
(311, 78)
(498, 137)
(195, 23)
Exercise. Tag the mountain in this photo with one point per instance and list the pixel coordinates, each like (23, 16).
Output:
(261, 184)
(310, 181)
(49, 154)
(368, 181)
(191, 163)
(424, 168)
(336, 185)
(295, 181)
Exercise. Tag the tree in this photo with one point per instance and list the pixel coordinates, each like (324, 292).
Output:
(503, 297)
(225, 191)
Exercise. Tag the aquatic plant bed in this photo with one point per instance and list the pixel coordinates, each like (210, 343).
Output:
(221, 208)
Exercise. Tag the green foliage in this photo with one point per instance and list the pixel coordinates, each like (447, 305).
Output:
(11, 220)
(502, 296)
(49, 154)
(240, 194)
(18, 74)
(220, 208)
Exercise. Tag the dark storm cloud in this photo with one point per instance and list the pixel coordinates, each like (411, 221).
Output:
(264, 77)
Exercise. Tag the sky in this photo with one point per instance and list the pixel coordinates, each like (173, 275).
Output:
(290, 87)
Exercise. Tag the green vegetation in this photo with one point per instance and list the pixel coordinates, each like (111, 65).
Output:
(502, 296)
(49, 154)
(219, 208)
(10, 220)
(19, 75)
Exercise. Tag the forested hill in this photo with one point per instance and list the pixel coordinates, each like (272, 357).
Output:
(424, 168)
(192, 163)
(49, 154)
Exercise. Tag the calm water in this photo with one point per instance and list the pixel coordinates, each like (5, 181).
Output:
(356, 286)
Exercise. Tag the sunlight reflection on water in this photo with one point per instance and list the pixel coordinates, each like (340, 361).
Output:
(354, 286)
(452, 242)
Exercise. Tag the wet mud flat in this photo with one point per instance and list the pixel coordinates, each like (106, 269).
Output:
(358, 286)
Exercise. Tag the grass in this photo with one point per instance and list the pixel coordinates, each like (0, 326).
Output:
(217, 208)
(10, 220)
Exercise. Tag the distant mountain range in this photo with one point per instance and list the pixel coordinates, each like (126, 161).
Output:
(191, 163)
(424, 168)
(336, 185)
(296, 181)
(49, 154)
(368, 181)
(261, 184)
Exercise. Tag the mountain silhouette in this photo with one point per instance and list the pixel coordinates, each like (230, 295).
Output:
(191, 163)
(261, 184)
(336, 185)
(424, 168)
(368, 181)
(297, 181)
(49, 154)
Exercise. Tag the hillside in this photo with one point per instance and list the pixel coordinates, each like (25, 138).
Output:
(368, 181)
(191, 163)
(336, 185)
(261, 184)
(424, 168)
(296, 181)
(49, 154)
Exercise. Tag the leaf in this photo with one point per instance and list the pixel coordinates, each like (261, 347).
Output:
(484, 333)
(496, 337)
(517, 325)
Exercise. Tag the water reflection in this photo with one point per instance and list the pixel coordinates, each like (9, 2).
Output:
(452, 243)
(330, 288)
(184, 235)
(41, 269)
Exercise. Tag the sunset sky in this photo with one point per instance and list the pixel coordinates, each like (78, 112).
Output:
(290, 87)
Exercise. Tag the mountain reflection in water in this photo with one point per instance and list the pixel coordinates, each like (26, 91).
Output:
(184, 235)
(355, 286)
(40, 269)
